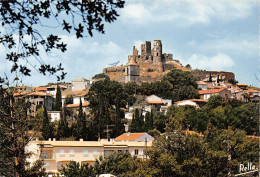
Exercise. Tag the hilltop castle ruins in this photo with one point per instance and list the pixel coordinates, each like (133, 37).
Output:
(152, 65)
(148, 66)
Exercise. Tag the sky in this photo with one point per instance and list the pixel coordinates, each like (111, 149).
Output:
(219, 35)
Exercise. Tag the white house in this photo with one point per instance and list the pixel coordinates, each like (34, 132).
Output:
(80, 84)
(54, 115)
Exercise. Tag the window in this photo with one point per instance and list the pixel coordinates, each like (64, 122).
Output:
(95, 152)
(72, 153)
(62, 153)
(44, 155)
(136, 151)
(85, 153)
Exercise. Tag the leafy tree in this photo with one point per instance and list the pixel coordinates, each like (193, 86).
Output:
(58, 102)
(47, 128)
(214, 101)
(74, 169)
(24, 18)
(100, 76)
(122, 164)
(68, 99)
(217, 153)
(106, 99)
(188, 66)
(15, 136)
(183, 84)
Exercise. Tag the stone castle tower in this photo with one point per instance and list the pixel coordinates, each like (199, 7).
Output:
(157, 52)
(132, 69)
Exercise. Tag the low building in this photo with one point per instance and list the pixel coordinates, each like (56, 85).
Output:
(223, 92)
(75, 107)
(154, 102)
(202, 85)
(39, 99)
(134, 137)
(57, 153)
(54, 115)
(53, 89)
(80, 84)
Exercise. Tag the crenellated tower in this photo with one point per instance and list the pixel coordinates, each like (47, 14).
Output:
(157, 51)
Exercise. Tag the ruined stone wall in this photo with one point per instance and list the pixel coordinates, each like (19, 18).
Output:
(202, 74)
(114, 69)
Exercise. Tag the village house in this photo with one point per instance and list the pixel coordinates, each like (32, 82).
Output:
(154, 102)
(80, 84)
(223, 92)
(53, 89)
(39, 99)
(57, 153)
(76, 97)
(54, 115)
(202, 85)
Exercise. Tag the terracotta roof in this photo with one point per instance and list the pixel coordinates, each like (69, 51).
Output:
(129, 136)
(76, 93)
(21, 93)
(154, 102)
(201, 82)
(202, 92)
(41, 89)
(198, 100)
(241, 85)
(40, 94)
(55, 86)
(76, 105)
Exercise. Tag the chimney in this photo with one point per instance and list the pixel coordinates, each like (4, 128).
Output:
(81, 139)
(54, 139)
(128, 134)
(49, 139)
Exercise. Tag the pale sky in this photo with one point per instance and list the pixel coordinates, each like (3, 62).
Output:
(220, 35)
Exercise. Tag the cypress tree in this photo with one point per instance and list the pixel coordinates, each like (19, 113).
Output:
(210, 77)
(137, 124)
(80, 130)
(63, 128)
(47, 129)
(58, 102)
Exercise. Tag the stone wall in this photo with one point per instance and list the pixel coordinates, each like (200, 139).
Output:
(202, 74)
(114, 69)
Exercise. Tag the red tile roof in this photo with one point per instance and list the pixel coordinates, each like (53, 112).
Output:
(76, 93)
(201, 82)
(202, 92)
(129, 136)
(40, 94)
(154, 102)
(76, 105)
(41, 89)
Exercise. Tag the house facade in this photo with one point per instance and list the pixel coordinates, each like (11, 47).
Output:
(57, 153)
(39, 99)
(223, 92)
